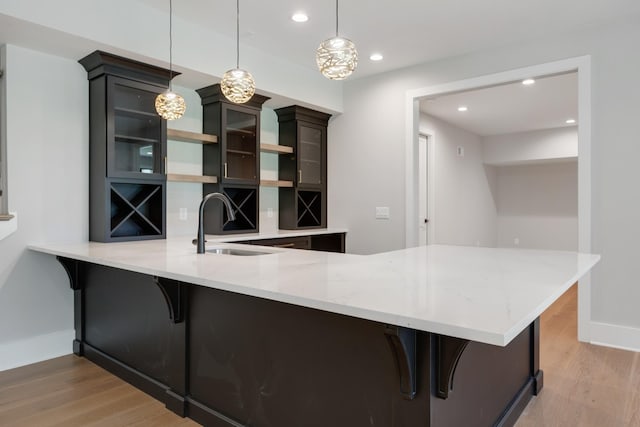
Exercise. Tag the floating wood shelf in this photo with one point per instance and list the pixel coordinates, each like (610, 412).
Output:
(274, 148)
(174, 177)
(185, 136)
(273, 183)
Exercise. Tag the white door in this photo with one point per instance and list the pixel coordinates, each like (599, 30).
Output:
(422, 190)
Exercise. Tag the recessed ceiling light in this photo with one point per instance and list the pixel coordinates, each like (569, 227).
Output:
(570, 121)
(528, 82)
(376, 57)
(462, 108)
(300, 17)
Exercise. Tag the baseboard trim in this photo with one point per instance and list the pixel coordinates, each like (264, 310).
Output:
(14, 354)
(517, 405)
(616, 336)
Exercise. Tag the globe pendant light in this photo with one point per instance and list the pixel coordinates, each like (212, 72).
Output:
(337, 57)
(170, 105)
(237, 85)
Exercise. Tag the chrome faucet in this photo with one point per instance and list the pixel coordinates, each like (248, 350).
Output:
(230, 214)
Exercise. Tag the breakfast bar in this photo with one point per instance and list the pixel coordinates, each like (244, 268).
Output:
(249, 335)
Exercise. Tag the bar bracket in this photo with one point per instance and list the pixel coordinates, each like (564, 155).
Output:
(448, 353)
(174, 293)
(403, 346)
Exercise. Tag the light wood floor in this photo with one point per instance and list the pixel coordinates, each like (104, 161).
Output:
(71, 391)
(584, 386)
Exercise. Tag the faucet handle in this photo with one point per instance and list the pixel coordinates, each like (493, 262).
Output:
(195, 241)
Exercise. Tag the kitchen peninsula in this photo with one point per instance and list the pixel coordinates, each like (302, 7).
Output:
(429, 336)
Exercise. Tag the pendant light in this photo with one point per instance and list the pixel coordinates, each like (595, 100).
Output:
(170, 105)
(337, 57)
(237, 85)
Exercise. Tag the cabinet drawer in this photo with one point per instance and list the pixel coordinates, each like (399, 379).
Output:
(300, 242)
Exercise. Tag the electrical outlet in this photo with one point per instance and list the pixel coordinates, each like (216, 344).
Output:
(269, 212)
(460, 151)
(516, 241)
(183, 214)
(382, 212)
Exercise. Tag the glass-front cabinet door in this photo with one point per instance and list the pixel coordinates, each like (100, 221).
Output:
(310, 154)
(135, 131)
(240, 145)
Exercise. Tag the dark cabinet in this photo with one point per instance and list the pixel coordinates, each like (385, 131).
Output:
(136, 134)
(127, 149)
(305, 130)
(235, 160)
(330, 242)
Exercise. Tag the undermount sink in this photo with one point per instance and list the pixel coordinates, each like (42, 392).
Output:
(234, 251)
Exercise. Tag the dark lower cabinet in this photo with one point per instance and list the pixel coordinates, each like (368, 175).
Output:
(328, 242)
(331, 242)
(228, 359)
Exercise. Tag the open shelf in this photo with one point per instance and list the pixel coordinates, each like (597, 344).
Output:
(137, 139)
(174, 177)
(135, 113)
(240, 131)
(241, 152)
(193, 137)
(274, 148)
(274, 183)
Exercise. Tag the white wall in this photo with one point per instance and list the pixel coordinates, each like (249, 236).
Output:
(515, 148)
(199, 52)
(184, 158)
(538, 205)
(465, 210)
(47, 142)
(371, 134)
(537, 200)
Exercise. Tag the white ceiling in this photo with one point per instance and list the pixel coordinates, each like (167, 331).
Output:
(510, 108)
(406, 32)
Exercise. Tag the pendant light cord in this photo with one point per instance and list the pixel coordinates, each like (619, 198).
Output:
(336, 18)
(170, 43)
(237, 33)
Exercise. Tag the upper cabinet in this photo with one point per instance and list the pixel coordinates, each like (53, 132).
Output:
(236, 159)
(127, 149)
(136, 134)
(305, 131)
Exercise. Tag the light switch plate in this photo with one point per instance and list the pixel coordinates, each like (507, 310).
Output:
(382, 212)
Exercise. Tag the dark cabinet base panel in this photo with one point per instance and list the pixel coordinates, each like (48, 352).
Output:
(235, 360)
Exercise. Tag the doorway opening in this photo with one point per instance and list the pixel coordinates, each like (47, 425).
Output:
(581, 66)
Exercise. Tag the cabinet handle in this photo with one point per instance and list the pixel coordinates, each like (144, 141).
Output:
(285, 245)
(165, 165)
(299, 175)
(225, 169)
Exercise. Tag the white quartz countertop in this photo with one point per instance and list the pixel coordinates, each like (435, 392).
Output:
(483, 294)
